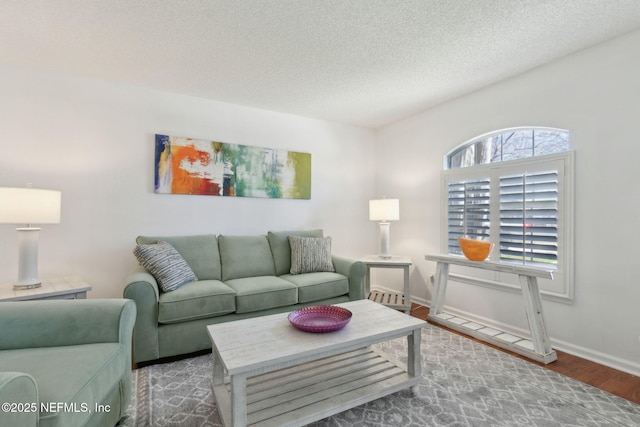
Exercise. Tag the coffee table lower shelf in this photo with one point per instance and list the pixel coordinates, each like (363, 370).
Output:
(301, 394)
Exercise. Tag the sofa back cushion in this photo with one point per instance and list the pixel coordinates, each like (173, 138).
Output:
(199, 251)
(281, 249)
(245, 256)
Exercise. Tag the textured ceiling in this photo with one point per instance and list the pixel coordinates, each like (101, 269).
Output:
(364, 62)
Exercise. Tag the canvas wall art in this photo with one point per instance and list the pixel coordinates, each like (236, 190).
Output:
(194, 166)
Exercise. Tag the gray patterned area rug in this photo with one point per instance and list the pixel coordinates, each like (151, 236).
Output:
(464, 384)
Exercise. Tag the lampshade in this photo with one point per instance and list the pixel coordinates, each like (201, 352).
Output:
(384, 210)
(29, 206)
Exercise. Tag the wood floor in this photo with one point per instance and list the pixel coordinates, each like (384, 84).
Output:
(611, 380)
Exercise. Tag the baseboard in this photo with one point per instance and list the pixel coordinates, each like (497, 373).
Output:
(623, 365)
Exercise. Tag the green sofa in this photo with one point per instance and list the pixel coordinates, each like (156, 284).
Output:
(65, 363)
(238, 277)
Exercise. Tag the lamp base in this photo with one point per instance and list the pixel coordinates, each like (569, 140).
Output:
(384, 240)
(17, 287)
(28, 258)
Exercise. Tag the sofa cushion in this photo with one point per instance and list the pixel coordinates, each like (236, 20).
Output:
(310, 254)
(281, 250)
(79, 376)
(196, 300)
(245, 256)
(318, 286)
(199, 251)
(262, 292)
(165, 264)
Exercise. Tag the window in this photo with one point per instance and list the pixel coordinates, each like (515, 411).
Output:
(510, 144)
(514, 188)
(469, 209)
(529, 218)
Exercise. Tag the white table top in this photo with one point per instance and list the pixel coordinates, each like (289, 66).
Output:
(250, 344)
(492, 266)
(49, 288)
(394, 260)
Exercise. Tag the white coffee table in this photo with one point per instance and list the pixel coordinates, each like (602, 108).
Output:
(267, 372)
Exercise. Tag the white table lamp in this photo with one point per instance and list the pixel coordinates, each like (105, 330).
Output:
(29, 206)
(384, 210)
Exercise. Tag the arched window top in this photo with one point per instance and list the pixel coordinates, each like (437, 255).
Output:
(508, 144)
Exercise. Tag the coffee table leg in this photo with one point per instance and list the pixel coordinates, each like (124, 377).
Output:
(239, 400)
(414, 363)
(218, 369)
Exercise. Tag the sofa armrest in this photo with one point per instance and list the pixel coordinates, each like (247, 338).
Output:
(54, 323)
(142, 288)
(355, 271)
(19, 389)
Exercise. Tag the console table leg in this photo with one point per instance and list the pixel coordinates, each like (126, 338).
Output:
(439, 288)
(533, 307)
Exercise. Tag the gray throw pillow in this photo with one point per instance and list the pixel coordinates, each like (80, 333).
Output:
(310, 254)
(165, 264)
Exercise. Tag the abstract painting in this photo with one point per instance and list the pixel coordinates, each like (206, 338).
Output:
(195, 166)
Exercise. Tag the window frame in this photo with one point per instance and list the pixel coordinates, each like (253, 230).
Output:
(562, 287)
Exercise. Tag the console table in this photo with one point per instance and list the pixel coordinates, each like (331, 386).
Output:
(70, 287)
(390, 299)
(537, 348)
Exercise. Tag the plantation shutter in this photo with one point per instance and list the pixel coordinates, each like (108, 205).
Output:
(529, 219)
(468, 211)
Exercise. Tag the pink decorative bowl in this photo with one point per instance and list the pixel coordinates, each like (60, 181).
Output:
(320, 318)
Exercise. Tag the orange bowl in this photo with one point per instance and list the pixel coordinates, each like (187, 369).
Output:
(475, 250)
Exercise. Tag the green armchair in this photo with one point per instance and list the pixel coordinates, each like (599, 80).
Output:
(65, 362)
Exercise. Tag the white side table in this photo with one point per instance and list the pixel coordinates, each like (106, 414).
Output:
(390, 299)
(70, 287)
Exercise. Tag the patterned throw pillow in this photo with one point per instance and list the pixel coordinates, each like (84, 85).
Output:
(165, 264)
(310, 254)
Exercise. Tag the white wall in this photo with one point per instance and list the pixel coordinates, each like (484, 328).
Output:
(595, 94)
(94, 141)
